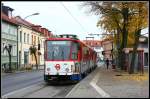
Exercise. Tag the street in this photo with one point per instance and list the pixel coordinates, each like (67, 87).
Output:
(93, 49)
(29, 82)
(16, 81)
(99, 83)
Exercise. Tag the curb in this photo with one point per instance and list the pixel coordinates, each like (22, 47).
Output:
(17, 72)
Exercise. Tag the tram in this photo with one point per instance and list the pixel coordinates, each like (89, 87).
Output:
(67, 58)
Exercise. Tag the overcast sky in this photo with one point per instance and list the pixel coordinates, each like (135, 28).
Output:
(55, 17)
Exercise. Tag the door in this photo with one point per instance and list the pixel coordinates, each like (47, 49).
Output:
(26, 57)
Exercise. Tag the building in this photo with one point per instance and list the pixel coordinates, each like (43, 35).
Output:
(8, 37)
(144, 44)
(24, 41)
(96, 45)
(31, 35)
(141, 59)
(107, 45)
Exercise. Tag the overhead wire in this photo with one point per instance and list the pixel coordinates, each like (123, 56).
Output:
(73, 17)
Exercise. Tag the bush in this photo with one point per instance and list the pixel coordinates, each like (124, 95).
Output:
(22, 68)
(29, 68)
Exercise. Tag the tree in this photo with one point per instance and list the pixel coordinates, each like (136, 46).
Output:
(140, 23)
(116, 19)
(120, 18)
(8, 48)
(33, 51)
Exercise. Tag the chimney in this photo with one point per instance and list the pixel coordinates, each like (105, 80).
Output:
(7, 10)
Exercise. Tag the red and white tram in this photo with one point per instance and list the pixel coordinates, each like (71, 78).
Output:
(67, 59)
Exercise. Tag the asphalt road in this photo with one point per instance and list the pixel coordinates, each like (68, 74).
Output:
(14, 83)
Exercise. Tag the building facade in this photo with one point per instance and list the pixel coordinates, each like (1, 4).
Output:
(21, 35)
(24, 42)
(8, 37)
(107, 45)
(31, 35)
(97, 46)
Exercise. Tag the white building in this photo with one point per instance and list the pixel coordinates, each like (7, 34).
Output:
(29, 35)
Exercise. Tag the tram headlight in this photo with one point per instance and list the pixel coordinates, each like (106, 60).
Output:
(77, 67)
(72, 68)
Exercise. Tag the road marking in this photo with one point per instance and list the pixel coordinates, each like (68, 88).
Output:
(17, 91)
(97, 88)
(72, 90)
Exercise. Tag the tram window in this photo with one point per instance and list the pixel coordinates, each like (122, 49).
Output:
(74, 51)
(58, 50)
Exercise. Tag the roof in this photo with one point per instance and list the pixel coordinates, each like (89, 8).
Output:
(22, 21)
(11, 9)
(67, 39)
(92, 43)
(7, 19)
(26, 23)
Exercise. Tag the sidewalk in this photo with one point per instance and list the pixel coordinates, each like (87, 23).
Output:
(20, 71)
(104, 83)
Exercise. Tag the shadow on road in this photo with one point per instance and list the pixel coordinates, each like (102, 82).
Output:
(61, 83)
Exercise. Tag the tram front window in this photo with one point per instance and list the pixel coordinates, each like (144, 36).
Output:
(58, 50)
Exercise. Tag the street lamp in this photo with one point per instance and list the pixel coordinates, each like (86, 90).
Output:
(31, 15)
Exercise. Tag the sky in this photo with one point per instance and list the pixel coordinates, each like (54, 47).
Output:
(57, 19)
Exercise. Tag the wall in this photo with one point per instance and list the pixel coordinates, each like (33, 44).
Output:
(8, 36)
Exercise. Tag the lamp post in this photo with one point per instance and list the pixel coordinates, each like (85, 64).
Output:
(20, 52)
(31, 15)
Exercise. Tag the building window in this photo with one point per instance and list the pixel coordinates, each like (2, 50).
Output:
(32, 39)
(20, 36)
(28, 38)
(41, 43)
(13, 30)
(5, 27)
(15, 50)
(38, 41)
(3, 46)
(24, 37)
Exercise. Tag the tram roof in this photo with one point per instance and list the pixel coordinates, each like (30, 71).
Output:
(65, 39)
